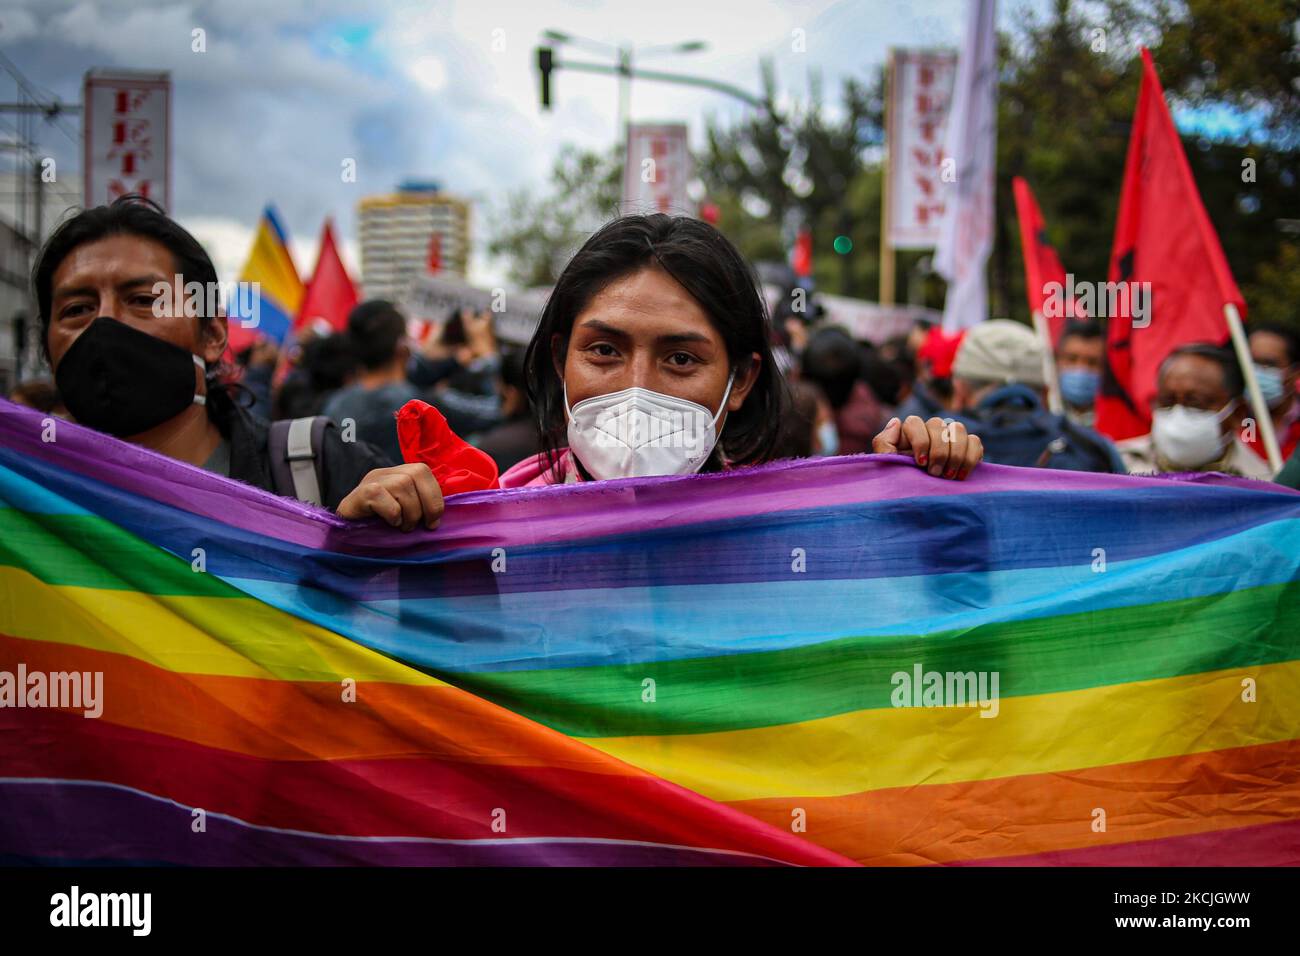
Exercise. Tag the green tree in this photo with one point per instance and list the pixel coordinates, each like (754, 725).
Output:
(1069, 84)
(1069, 88)
(782, 168)
(1274, 294)
(538, 235)
(1237, 53)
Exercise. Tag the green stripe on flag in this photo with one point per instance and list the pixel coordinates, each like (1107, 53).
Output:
(1038, 656)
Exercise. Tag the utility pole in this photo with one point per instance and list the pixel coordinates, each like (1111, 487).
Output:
(38, 171)
(28, 106)
(624, 89)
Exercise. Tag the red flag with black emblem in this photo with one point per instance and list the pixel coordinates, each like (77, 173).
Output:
(1045, 282)
(1167, 251)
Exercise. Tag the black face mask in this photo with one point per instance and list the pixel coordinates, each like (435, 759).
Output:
(119, 380)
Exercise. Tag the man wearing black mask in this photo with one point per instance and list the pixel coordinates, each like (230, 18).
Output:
(135, 354)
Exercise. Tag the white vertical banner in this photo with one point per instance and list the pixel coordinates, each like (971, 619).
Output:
(657, 170)
(920, 90)
(970, 153)
(127, 132)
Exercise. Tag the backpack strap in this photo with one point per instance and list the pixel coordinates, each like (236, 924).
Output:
(1089, 446)
(296, 463)
(1054, 448)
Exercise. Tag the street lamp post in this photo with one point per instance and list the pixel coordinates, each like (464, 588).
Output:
(624, 88)
(625, 71)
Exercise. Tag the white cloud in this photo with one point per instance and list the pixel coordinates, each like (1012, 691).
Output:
(227, 242)
(17, 24)
(428, 73)
(411, 88)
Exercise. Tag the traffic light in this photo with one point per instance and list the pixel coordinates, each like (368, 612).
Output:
(545, 63)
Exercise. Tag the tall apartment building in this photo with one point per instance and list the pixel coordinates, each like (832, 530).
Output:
(396, 231)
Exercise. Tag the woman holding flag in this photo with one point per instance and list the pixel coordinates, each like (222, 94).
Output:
(652, 357)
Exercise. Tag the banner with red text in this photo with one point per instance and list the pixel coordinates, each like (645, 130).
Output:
(127, 124)
(920, 88)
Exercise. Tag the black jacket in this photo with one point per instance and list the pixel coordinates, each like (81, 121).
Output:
(1017, 430)
(341, 465)
(511, 442)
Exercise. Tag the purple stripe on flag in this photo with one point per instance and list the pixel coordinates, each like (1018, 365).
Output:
(90, 822)
(538, 515)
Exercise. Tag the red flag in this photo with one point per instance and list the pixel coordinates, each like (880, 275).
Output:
(330, 294)
(1042, 265)
(434, 265)
(1163, 237)
(939, 351)
(801, 260)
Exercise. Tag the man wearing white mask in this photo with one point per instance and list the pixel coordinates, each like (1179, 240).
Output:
(1197, 418)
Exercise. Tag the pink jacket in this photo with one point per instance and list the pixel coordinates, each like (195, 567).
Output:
(532, 472)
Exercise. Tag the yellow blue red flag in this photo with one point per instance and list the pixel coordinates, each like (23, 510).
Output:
(274, 301)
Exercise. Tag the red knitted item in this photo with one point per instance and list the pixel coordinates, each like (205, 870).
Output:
(425, 436)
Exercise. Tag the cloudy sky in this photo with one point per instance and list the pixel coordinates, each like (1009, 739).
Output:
(432, 89)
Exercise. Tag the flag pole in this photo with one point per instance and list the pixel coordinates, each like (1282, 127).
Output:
(1049, 365)
(1262, 414)
(886, 250)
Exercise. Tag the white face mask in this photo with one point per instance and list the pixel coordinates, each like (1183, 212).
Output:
(1190, 437)
(828, 439)
(639, 433)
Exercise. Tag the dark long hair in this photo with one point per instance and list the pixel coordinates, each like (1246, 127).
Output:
(133, 215)
(716, 275)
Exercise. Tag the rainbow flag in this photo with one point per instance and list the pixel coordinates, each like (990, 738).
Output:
(745, 668)
(281, 288)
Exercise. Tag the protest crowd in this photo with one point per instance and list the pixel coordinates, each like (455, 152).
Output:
(646, 313)
(621, 532)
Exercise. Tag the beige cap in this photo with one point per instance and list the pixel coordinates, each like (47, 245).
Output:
(1000, 350)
